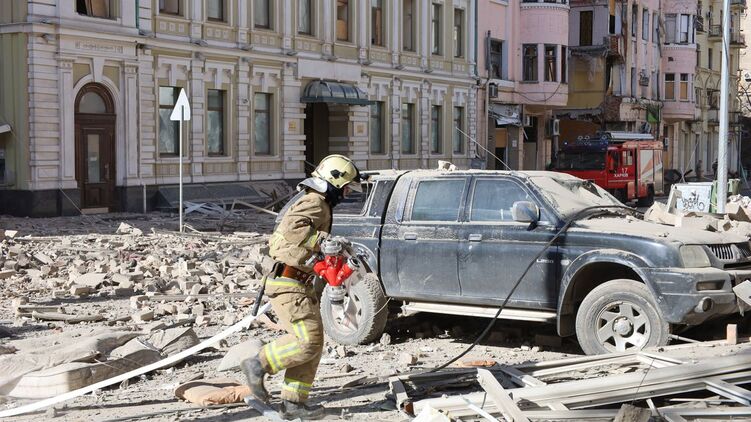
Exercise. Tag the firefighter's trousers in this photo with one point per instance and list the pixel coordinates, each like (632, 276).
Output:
(298, 352)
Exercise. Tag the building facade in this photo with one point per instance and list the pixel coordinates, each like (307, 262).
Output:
(273, 85)
(525, 78)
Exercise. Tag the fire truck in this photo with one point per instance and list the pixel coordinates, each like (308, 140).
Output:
(628, 165)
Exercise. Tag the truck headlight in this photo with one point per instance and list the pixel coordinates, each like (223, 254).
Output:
(694, 256)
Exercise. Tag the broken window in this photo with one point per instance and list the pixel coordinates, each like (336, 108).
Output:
(495, 60)
(262, 14)
(438, 200)
(376, 128)
(304, 17)
(96, 8)
(530, 62)
(215, 10)
(458, 140)
(684, 87)
(670, 86)
(171, 7)
(435, 32)
(436, 144)
(168, 129)
(550, 63)
(458, 33)
(408, 133)
(670, 20)
(376, 22)
(408, 25)
(645, 24)
(262, 123)
(492, 200)
(585, 28)
(215, 124)
(342, 20)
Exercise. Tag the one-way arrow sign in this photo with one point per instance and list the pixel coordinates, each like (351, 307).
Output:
(182, 104)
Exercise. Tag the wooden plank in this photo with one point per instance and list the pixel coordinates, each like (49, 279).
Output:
(256, 207)
(495, 390)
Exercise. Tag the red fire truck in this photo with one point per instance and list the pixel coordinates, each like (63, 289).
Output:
(628, 165)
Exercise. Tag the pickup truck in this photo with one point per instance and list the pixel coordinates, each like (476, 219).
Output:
(456, 242)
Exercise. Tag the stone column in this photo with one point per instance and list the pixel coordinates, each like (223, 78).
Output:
(472, 121)
(67, 125)
(196, 18)
(287, 25)
(147, 126)
(395, 117)
(197, 133)
(472, 36)
(243, 120)
(242, 21)
(328, 32)
(363, 42)
(357, 147)
(130, 117)
(395, 44)
(423, 124)
(293, 116)
(423, 33)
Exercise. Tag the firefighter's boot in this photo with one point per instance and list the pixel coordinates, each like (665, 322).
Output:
(293, 410)
(254, 373)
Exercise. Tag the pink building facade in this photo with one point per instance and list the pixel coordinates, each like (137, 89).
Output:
(523, 67)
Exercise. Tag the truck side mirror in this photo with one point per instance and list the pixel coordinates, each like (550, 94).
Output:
(525, 212)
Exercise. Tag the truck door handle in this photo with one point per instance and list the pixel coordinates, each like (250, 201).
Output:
(410, 236)
(475, 237)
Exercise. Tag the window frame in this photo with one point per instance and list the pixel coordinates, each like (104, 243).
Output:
(223, 8)
(645, 20)
(548, 65)
(311, 18)
(564, 64)
(684, 83)
(544, 215)
(380, 105)
(381, 22)
(436, 129)
(89, 6)
(270, 129)
(669, 92)
(530, 61)
(491, 59)
(348, 15)
(458, 122)
(223, 110)
(179, 8)
(586, 31)
(436, 24)
(411, 30)
(412, 197)
(175, 123)
(269, 26)
(458, 35)
(410, 109)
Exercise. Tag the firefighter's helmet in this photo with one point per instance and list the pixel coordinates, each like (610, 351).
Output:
(339, 171)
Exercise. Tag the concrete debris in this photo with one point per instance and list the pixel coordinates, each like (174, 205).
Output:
(144, 315)
(407, 359)
(125, 228)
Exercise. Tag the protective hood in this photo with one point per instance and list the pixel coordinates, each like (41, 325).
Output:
(318, 185)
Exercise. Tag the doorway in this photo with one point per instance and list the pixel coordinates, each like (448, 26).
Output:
(95, 147)
(316, 134)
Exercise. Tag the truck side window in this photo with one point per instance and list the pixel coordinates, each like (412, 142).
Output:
(492, 200)
(628, 158)
(438, 200)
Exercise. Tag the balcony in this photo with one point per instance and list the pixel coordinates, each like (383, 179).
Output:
(737, 39)
(614, 44)
(738, 3)
(715, 31)
(699, 24)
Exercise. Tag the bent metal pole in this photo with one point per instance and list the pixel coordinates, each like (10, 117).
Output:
(722, 150)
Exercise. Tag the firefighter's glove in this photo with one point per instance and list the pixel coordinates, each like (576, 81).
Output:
(336, 294)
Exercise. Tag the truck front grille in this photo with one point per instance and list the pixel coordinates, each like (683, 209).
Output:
(731, 252)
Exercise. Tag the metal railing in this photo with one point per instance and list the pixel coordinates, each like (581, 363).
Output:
(737, 38)
(715, 31)
(738, 3)
(699, 24)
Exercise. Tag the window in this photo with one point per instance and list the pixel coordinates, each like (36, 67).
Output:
(551, 63)
(634, 81)
(215, 123)
(262, 14)
(435, 33)
(262, 123)
(492, 200)
(215, 10)
(408, 25)
(670, 21)
(684, 87)
(709, 59)
(684, 37)
(585, 28)
(670, 86)
(304, 17)
(655, 28)
(438, 200)
(171, 7)
(168, 129)
(342, 20)
(564, 64)
(376, 22)
(458, 139)
(408, 133)
(645, 24)
(530, 62)
(96, 8)
(436, 128)
(376, 128)
(495, 61)
(458, 33)
(634, 19)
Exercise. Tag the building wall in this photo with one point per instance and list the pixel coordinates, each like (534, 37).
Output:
(138, 51)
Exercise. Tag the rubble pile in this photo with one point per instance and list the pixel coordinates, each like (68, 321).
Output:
(736, 220)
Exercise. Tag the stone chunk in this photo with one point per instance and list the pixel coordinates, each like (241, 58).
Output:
(78, 290)
(93, 280)
(144, 316)
(407, 359)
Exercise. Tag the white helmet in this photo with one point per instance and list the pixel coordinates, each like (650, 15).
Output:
(339, 171)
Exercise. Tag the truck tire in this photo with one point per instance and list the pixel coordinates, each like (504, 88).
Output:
(367, 302)
(648, 200)
(618, 316)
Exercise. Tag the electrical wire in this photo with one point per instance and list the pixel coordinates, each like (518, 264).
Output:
(581, 214)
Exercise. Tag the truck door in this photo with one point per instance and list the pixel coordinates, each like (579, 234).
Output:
(494, 250)
(421, 245)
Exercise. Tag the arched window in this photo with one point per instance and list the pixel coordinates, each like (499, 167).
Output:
(94, 99)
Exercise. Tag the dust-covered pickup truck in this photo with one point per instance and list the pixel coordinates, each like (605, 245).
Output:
(456, 242)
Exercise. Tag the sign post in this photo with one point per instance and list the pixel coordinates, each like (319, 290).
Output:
(181, 113)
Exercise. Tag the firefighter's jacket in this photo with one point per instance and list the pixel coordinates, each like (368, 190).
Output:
(300, 231)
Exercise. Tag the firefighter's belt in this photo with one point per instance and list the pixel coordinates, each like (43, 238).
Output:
(294, 273)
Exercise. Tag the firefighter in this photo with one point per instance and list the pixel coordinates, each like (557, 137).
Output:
(291, 292)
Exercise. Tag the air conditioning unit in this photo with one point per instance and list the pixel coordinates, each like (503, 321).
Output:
(555, 127)
(527, 121)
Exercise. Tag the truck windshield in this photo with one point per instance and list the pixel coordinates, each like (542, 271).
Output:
(569, 195)
(580, 160)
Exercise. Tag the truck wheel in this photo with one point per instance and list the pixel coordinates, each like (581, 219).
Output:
(362, 319)
(620, 316)
(648, 200)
